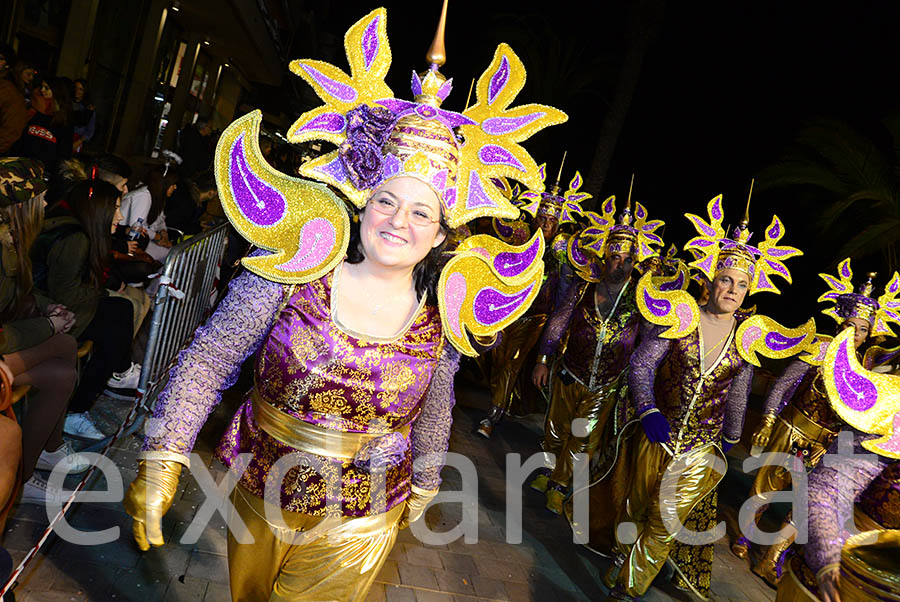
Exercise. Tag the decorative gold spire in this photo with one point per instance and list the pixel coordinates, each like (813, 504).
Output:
(432, 79)
(746, 221)
(437, 53)
(630, 188)
(554, 188)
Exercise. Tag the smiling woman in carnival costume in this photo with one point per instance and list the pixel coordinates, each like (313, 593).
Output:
(797, 418)
(689, 381)
(358, 328)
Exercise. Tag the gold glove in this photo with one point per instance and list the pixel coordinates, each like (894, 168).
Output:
(416, 503)
(149, 497)
(762, 434)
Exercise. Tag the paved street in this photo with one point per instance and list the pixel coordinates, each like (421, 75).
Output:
(546, 566)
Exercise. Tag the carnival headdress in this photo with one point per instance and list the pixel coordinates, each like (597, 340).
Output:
(487, 284)
(565, 207)
(860, 304)
(715, 251)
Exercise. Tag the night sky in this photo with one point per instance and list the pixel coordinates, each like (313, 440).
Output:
(723, 90)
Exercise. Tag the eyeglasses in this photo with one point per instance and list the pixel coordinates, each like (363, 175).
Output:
(417, 217)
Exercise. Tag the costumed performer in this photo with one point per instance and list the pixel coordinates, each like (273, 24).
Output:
(689, 380)
(870, 404)
(797, 419)
(351, 388)
(550, 210)
(593, 330)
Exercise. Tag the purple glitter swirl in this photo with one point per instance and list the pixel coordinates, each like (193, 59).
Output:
(716, 211)
(657, 307)
(477, 196)
(491, 306)
(775, 230)
(498, 80)
(855, 390)
(333, 88)
(673, 285)
(498, 126)
(260, 203)
(778, 342)
(332, 123)
(491, 154)
(370, 42)
(509, 264)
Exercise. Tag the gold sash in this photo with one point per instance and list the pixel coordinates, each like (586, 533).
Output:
(310, 438)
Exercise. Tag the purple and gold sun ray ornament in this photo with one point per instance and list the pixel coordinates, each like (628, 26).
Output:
(867, 401)
(456, 154)
(716, 251)
(379, 137)
(565, 207)
(631, 234)
(713, 251)
(880, 313)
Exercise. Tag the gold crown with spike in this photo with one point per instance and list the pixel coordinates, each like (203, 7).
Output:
(380, 137)
(848, 303)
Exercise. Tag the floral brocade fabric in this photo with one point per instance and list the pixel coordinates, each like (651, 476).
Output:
(597, 349)
(313, 370)
(700, 408)
(812, 399)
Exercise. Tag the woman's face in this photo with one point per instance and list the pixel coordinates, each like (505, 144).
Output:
(46, 92)
(861, 328)
(79, 91)
(117, 216)
(393, 229)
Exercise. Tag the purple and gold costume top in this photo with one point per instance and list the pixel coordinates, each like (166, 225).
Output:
(311, 369)
(700, 405)
(597, 347)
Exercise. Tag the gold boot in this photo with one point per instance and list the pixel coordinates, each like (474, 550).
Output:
(540, 483)
(741, 547)
(770, 566)
(555, 499)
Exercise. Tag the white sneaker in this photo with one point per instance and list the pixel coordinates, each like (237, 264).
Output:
(38, 491)
(82, 427)
(126, 380)
(73, 462)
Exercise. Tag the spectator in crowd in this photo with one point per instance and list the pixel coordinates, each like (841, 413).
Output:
(130, 264)
(23, 76)
(13, 110)
(48, 137)
(34, 346)
(196, 148)
(71, 260)
(144, 208)
(84, 117)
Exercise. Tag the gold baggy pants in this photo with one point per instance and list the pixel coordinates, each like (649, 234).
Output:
(654, 510)
(507, 359)
(338, 564)
(567, 403)
(792, 428)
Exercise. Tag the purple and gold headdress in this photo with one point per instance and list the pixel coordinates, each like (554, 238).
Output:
(715, 251)
(860, 304)
(487, 285)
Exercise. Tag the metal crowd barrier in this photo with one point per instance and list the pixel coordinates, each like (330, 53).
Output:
(181, 303)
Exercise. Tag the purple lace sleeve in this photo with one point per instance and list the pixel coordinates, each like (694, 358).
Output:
(833, 488)
(642, 369)
(559, 321)
(736, 404)
(430, 433)
(210, 364)
(785, 387)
